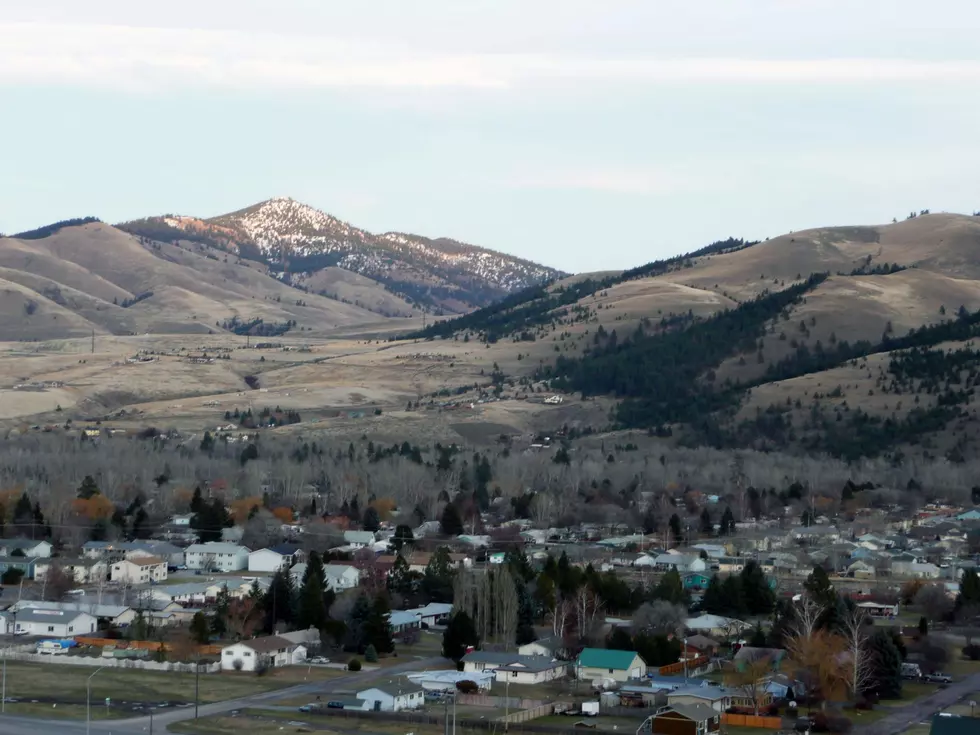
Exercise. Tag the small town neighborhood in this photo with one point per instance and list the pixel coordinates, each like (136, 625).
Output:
(832, 622)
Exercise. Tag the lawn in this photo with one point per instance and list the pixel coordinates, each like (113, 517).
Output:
(66, 711)
(960, 667)
(602, 722)
(67, 684)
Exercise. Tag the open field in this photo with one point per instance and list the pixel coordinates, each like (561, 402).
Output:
(132, 688)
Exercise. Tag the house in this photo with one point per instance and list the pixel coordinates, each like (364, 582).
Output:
(173, 555)
(403, 623)
(702, 644)
(901, 567)
(714, 551)
(216, 556)
(391, 698)
(435, 613)
(140, 570)
(695, 581)
(781, 686)
(359, 539)
(258, 653)
(717, 699)
(274, 559)
(945, 723)
(878, 610)
(55, 623)
(338, 577)
(970, 515)
(25, 547)
(181, 520)
(683, 720)
(542, 647)
(683, 563)
(601, 663)
(79, 570)
(861, 570)
(26, 566)
(515, 668)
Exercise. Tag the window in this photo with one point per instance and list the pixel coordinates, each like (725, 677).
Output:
(610, 671)
(71, 628)
(51, 629)
(248, 654)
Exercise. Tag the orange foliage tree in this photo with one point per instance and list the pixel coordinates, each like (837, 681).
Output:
(240, 509)
(96, 508)
(283, 513)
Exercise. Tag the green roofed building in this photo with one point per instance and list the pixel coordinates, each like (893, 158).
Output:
(947, 724)
(602, 663)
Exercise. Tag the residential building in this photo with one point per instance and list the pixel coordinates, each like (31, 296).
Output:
(515, 668)
(542, 647)
(274, 559)
(25, 548)
(254, 654)
(601, 663)
(25, 565)
(696, 581)
(682, 563)
(216, 556)
(80, 570)
(945, 723)
(340, 577)
(359, 539)
(140, 570)
(54, 623)
(403, 623)
(715, 625)
(391, 698)
(114, 616)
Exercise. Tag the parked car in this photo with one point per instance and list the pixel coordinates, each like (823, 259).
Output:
(312, 707)
(938, 678)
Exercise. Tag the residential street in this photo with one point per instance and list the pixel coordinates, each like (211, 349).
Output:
(11, 725)
(923, 709)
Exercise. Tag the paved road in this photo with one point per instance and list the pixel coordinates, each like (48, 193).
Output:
(11, 725)
(922, 709)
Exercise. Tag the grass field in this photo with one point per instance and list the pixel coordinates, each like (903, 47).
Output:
(67, 684)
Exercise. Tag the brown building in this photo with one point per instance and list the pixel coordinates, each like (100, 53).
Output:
(696, 719)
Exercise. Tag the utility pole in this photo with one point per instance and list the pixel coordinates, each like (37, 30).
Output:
(93, 341)
(197, 683)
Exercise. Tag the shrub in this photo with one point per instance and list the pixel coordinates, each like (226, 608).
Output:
(237, 664)
(371, 654)
(353, 665)
(972, 652)
(467, 687)
(832, 722)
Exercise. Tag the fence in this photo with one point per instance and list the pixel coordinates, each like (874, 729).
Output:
(115, 663)
(427, 719)
(693, 666)
(488, 700)
(84, 640)
(528, 714)
(772, 723)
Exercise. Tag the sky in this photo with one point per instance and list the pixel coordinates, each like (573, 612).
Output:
(583, 134)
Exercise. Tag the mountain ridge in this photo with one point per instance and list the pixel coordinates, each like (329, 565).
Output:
(441, 275)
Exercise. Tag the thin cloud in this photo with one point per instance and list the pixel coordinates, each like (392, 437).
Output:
(141, 58)
(607, 180)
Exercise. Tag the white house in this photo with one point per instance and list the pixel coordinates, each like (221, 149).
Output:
(27, 547)
(81, 571)
(140, 570)
(683, 563)
(601, 663)
(273, 559)
(181, 520)
(341, 577)
(391, 698)
(715, 625)
(55, 623)
(216, 556)
(515, 668)
(359, 539)
(541, 647)
(434, 613)
(270, 650)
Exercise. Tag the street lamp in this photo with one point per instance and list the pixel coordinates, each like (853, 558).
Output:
(88, 700)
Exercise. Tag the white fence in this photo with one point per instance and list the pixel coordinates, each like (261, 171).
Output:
(117, 663)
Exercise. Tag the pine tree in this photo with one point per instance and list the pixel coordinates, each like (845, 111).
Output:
(819, 588)
(671, 588)
(969, 589)
(197, 501)
(713, 601)
(23, 515)
(355, 637)
(451, 524)
(200, 630)
(311, 611)
(372, 520)
(759, 597)
(734, 595)
(437, 582)
(280, 601)
(403, 535)
(141, 525)
(886, 663)
(727, 523)
(459, 634)
(88, 488)
(399, 578)
(377, 627)
(675, 529)
(707, 527)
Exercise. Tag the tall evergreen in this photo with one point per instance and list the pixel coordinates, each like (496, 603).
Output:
(355, 635)
(819, 588)
(377, 627)
(969, 589)
(311, 611)
(707, 527)
(734, 595)
(727, 523)
(886, 663)
(280, 601)
(451, 523)
(713, 601)
(671, 588)
(459, 634)
(197, 500)
(759, 597)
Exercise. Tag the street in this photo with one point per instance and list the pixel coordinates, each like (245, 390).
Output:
(923, 709)
(13, 725)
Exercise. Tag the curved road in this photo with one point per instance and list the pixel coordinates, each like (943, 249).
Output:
(902, 718)
(13, 725)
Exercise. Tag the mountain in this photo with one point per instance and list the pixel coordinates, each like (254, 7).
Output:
(84, 276)
(299, 241)
(857, 341)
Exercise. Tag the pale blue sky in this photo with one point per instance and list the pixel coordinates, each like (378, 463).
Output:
(585, 135)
